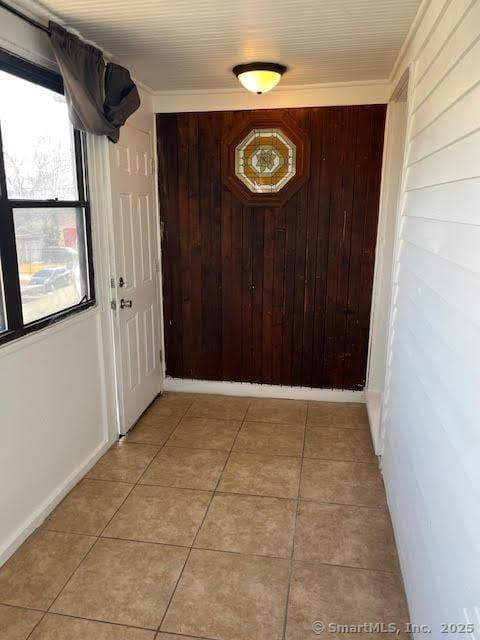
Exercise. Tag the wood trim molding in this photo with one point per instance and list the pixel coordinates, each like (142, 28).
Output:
(315, 95)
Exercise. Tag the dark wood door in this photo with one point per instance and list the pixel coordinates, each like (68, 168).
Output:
(278, 294)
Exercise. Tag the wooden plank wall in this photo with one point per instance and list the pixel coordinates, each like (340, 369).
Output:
(274, 295)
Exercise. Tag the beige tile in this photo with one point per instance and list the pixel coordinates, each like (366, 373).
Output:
(124, 582)
(261, 475)
(88, 507)
(229, 596)
(55, 627)
(124, 462)
(173, 636)
(220, 407)
(17, 624)
(35, 574)
(277, 411)
(343, 415)
(171, 405)
(153, 419)
(339, 444)
(249, 524)
(343, 596)
(345, 535)
(187, 468)
(160, 514)
(357, 483)
(148, 434)
(205, 433)
(273, 439)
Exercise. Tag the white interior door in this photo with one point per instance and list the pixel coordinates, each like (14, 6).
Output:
(136, 277)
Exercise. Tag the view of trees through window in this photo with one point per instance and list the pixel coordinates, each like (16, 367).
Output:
(37, 137)
(39, 165)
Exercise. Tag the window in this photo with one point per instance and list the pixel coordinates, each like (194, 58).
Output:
(45, 242)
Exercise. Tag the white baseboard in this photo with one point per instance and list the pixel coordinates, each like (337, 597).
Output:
(48, 505)
(261, 390)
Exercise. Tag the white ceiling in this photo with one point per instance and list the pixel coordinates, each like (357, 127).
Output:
(173, 45)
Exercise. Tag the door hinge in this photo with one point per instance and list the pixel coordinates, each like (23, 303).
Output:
(113, 305)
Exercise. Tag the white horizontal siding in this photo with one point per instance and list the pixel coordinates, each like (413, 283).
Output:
(452, 88)
(458, 121)
(447, 240)
(450, 54)
(455, 398)
(440, 202)
(429, 522)
(453, 14)
(449, 280)
(455, 329)
(459, 161)
(432, 413)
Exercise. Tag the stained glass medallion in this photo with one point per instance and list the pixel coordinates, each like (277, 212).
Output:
(265, 160)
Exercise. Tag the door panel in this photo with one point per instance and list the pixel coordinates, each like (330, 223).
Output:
(136, 277)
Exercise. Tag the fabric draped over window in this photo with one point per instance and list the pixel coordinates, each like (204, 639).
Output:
(100, 96)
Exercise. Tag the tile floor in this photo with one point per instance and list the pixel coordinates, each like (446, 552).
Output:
(220, 518)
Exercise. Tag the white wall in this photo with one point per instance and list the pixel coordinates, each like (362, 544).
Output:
(52, 421)
(432, 414)
(57, 395)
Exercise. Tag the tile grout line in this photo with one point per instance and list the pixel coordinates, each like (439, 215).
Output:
(132, 486)
(262, 495)
(290, 568)
(162, 446)
(64, 584)
(99, 536)
(214, 492)
(137, 484)
(35, 627)
(203, 520)
(95, 620)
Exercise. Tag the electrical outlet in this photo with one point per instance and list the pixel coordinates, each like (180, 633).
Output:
(472, 617)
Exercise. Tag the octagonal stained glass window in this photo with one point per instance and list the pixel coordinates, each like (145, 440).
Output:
(265, 160)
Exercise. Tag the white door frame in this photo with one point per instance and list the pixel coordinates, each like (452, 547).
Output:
(389, 230)
(105, 268)
(115, 293)
(102, 232)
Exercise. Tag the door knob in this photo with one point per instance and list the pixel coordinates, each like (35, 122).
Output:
(125, 304)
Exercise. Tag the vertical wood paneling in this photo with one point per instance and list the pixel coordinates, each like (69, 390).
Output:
(289, 290)
(246, 294)
(278, 293)
(275, 295)
(167, 146)
(325, 120)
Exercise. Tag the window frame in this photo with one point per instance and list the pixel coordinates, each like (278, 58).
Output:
(8, 250)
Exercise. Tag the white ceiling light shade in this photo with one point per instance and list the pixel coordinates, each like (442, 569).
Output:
(259, 77)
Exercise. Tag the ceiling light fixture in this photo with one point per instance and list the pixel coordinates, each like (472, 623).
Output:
(259, 77)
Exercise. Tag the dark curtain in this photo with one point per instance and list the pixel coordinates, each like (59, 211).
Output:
(100, 96)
